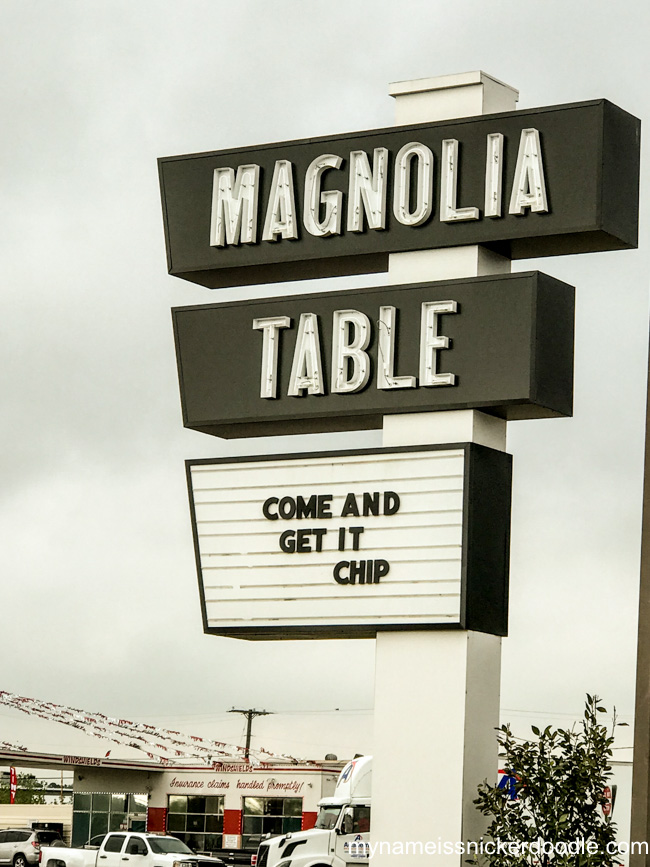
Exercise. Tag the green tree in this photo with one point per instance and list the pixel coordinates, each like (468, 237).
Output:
(558, 781)
(29, 790)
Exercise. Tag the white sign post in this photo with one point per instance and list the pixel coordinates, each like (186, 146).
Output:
(437, 693)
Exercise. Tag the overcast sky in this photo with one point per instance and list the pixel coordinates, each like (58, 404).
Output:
(99, 600)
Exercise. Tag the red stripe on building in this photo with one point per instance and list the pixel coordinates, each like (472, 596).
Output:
(232, 821)
(157, 820)
(308, 821)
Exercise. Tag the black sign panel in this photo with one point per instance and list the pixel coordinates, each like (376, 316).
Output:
(582, 160)
(507, 349)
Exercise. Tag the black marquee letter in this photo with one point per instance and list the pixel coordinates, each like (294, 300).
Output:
(343, 564)
(265, 508)
(350, 507)
(391, 503)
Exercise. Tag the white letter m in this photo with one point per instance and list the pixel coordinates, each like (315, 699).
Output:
(234, 206)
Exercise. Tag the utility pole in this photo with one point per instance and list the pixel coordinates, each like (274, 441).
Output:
(249, 714)
(640, 829)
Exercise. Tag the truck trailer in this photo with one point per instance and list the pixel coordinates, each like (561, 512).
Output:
(341, 834)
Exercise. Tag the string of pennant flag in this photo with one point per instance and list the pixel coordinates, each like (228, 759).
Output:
(17, 748)
(162, 745)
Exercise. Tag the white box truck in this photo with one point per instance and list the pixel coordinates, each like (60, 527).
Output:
(342, 831)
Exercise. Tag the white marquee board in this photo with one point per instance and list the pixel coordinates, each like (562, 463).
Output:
(276, 538)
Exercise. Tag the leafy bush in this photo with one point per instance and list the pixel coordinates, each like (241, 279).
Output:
(558, 781)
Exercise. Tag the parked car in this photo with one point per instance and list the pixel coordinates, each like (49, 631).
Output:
(21, 846)
(143, 850)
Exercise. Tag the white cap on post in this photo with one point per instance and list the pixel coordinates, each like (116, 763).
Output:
(449, 96)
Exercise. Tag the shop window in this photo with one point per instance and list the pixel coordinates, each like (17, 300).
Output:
(98, 824)
(270, 816)
(80, 826)
(118, 803)
(101, 812)
(81, 801)
(118, 822)
(213, 823)
(175, 823)
(197, 821)
(137, 804)
(101, 803)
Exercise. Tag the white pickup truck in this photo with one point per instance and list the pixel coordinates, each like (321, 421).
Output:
(125, 849)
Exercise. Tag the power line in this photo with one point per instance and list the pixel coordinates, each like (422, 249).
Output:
(577, 715)
(283, 712)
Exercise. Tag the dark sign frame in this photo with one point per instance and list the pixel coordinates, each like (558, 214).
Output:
(511, 344)
(591, 158)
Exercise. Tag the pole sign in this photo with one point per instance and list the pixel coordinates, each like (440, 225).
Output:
(543, 182)
(13, 785)
(343, 360)
(609, 799)
(347, 544)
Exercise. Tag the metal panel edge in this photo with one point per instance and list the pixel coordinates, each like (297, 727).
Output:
(487, 544)
(620, 178)
(553, 349)
(197, 552)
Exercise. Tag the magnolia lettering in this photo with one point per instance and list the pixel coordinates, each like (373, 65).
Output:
(236, 192)
(351, 368)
